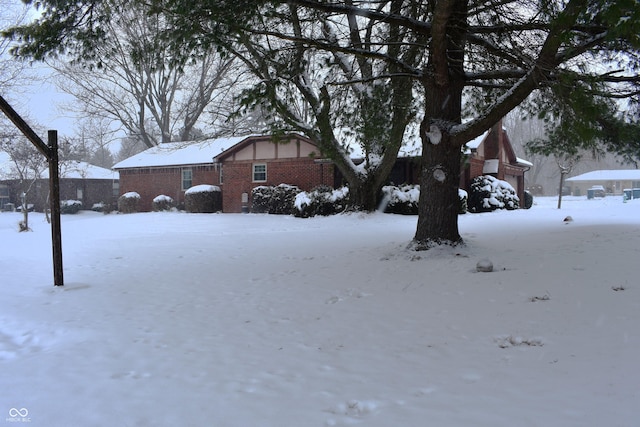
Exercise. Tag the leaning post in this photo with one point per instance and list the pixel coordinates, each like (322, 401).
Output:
(51, 153)
(54, 191)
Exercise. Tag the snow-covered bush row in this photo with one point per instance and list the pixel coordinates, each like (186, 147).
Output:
(163, 203)
(203, 199)
(322, 200)
(488, 193)
(404, 199)
(70, 206)
(129, 202)
(274, 200)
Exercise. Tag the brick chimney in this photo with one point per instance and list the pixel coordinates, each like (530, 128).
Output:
(493, 141)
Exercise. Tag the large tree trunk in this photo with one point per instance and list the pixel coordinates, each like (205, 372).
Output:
(439, 201)
(441, 155)
(364, 195)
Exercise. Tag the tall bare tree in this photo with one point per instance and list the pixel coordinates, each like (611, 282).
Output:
(27, 167)
(134, 80)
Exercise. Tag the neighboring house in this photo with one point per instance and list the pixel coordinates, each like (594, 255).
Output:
(613, 181)
(492, 154)
(78, 181)
(239, 164)
(489, 154)
(236, 165)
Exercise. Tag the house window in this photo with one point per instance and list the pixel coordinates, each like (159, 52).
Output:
(259, 172)
(116, 189)
(187, 179)
(221, 178)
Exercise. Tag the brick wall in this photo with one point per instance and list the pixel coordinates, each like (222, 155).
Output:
(304, 173)
(93, 191)
(152, 182)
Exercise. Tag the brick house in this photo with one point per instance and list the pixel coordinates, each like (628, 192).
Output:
(492, 154)
(236, 165)
(489, 154)
(78, 181)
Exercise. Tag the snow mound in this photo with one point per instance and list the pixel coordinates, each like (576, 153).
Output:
(202, 188)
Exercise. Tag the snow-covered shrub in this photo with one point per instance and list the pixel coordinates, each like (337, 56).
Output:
(322, 200)
(260, 198)
(487, 193)
(528, 200)
(105, 208)
(274, 200)
(203, 199)
(401, 200)
(404, 199)
(70, 206)
(129, 202)
(162, 203)
(463, 196)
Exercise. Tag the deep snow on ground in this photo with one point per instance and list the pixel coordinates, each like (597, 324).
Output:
(225, 320)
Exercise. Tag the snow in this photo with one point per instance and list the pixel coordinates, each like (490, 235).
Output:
(180, 153)
(236, 320)
(131, 195)
(608, 175)
(434, 135)
(82, 170)
(68, 169)
(162, 199)
(475, 142)
(203, 188)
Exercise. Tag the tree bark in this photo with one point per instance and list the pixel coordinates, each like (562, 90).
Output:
(439, 201)
(441, 153)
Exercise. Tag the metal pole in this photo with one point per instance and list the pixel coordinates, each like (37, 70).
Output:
(54, 191)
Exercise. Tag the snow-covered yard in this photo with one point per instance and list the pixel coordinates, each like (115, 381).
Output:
(224, 320)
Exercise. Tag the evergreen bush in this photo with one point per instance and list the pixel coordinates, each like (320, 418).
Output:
(463, 197)
(261, 198)
(70, 206)
(203, 199)
(487, 193)
(401, 200)
(274, 200)
(163, 203)
(528, 200)
(322, 200)
(129, 202)
(404, 199)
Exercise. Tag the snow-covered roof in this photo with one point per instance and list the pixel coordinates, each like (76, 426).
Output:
(82, 170)
(523, 162)
(68, 169)
(608, 175)
(475, 142)
(180, 153)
